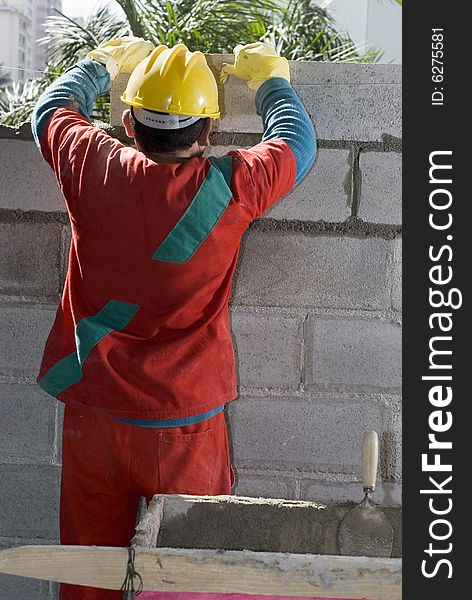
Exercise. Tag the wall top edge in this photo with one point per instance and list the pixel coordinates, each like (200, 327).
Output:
(305, 72)
(16, 133)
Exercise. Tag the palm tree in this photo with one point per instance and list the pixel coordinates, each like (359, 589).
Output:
(300, 29)
(18, 100)
(305, 31)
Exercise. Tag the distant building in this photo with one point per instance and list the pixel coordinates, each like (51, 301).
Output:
(16, 48)
(21, 25)
(42, 10)
(371, 23)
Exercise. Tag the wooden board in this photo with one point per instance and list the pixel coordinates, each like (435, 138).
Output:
(183, 570)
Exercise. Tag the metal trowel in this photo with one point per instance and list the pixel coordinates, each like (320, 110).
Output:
(365, 530)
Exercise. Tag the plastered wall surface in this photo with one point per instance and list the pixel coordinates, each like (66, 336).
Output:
(315, 309)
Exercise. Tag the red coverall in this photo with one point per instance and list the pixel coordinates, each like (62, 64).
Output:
(142, 330)
(140, 337)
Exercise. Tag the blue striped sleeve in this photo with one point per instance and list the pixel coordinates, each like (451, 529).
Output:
(284, 117)
(77, 88)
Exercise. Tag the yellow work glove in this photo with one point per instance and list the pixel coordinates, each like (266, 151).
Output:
(256, 63)
(121, 55)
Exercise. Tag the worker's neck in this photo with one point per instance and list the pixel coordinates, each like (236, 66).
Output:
(177, 156)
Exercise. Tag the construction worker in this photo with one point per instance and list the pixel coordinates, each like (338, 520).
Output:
(140, 351)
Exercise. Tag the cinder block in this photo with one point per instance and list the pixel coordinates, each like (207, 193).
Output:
(30, 257)
(391, 443)
(352, 353)
(346, 102)
(323, 490)
(323, 194)
(65, 249)
(23, 331)
(27, 423)
(283, 433)
(354, 112)
(293, 269)
(59, 424)
(381, 187)
(29, 501)
(268, 349)
(397, 275)
(268, 485)
(28, 182)
(23, 588)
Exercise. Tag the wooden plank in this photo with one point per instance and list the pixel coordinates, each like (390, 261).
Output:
(243, 572)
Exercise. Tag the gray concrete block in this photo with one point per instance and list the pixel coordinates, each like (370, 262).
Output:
(59, 424)
(293, 269)
(30, 258)
(397, 275)
(268, 349)
(323, 194)
(36, 188)
(23, 588)
(283, 433)
(352, 111)
(352, 353)
(381, 187)
(29, 503)
(345, 102)
(323, 490)
(23, 331)
(264, 485)
(65, 249)
(53, 591)
(27, 423)
(391, 443)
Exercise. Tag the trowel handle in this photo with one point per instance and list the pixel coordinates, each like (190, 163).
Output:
(370, 459)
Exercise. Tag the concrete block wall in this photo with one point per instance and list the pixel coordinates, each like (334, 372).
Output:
(315, 309)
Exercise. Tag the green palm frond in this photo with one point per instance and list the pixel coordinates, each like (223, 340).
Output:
(133, 10)
(206, 25)
(68, 42)
(18, 100)
(308, 32)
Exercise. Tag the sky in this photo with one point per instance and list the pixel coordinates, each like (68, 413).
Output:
(83, 8)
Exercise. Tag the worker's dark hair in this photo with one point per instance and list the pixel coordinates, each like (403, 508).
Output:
(166, 140)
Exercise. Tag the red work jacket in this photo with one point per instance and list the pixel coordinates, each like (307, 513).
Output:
(142, 328)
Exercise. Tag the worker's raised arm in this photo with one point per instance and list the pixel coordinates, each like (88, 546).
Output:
(288, 148)
(284, 117)
(79, 86)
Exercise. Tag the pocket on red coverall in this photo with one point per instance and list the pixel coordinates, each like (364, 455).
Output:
(187, 462)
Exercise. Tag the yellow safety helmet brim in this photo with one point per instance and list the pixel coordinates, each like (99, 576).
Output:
(175, 81)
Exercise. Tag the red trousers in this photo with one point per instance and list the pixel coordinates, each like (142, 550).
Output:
(107, 466)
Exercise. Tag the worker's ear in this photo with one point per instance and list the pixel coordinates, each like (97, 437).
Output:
(204, 137)
(126, 119)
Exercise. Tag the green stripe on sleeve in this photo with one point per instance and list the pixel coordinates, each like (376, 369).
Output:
(201, 216)
(114, 316)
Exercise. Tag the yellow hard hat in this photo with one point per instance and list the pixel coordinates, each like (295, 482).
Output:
(176, 81)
